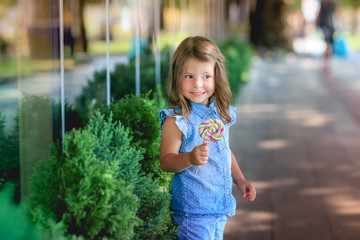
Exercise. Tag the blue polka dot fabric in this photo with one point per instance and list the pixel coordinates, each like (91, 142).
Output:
(209, 192)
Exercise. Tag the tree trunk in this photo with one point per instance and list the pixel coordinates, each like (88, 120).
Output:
(78, 25)
(355, 22)
(268, 24)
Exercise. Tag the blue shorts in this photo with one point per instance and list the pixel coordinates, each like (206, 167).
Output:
(197, 228)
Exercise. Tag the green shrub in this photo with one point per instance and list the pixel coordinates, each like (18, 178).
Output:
(96, 189)
(77, 187)
(15, 220)
(154, 201)
(39, 127)
(238, 59)
(154, 211)
(160, 102)
(144, 125)
(123, 82)
(9, 155)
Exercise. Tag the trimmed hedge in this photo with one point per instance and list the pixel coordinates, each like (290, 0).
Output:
(15, 220)
(140, 115)
(96, 189)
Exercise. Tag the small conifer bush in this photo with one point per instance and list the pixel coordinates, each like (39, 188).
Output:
(154, 200)
(80, 189)
(96, 189)
(141, 116)
(15, 220)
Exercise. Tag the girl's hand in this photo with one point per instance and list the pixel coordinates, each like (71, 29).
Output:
(248, 190)
(200, 154)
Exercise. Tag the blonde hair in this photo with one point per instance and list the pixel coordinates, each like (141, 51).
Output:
(204, 50)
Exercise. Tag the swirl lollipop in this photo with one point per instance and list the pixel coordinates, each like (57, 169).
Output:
(211, 130)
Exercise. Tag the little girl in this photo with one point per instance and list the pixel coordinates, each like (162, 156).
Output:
(199, 90)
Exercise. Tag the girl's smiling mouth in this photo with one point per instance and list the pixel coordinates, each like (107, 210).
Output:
(197, 94)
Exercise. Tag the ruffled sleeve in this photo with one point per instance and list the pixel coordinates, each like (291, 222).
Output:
(232, 111)
(180, 121)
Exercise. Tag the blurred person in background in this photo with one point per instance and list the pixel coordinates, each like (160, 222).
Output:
(325, 21)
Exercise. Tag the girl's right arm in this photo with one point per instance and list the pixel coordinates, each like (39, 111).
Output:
(170, 159)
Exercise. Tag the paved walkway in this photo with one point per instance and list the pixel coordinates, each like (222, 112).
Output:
(298, 139)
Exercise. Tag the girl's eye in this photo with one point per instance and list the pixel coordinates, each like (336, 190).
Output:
(207, 76)
(188, 76)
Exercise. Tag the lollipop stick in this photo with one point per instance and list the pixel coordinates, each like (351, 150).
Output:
(197, 168)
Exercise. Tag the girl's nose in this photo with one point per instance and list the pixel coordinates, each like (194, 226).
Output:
(197, 82)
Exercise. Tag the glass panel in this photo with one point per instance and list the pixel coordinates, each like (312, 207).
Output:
(30, 65)
(29, 84)
(9, 144)
(38, 83)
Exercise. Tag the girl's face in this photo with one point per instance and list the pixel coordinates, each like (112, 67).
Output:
(198, 81)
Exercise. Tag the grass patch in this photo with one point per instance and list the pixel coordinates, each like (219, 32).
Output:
(353, 41)
(8, 69)
(123, 47)
(99, 47)
(12, 68)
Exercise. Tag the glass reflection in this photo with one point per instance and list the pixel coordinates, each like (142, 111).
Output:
(30, 83)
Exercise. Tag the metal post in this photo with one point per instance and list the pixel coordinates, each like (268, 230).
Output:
(62, 84)
(172, 28)
(157, 43)
(137, 50)
(108, 92)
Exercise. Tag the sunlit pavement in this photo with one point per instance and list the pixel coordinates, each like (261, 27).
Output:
(297, 137)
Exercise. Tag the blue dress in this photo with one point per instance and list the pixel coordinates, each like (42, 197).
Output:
(209, 192)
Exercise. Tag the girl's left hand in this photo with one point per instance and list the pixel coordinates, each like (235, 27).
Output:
(248, 190)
